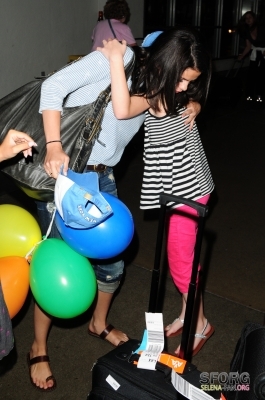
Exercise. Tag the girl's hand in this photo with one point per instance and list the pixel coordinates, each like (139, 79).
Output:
(113, 48)
(16, 142)
(55, 159)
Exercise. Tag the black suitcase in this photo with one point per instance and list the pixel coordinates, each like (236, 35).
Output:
(115, 375)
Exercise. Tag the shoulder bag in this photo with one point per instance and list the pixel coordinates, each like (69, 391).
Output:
(80, 128)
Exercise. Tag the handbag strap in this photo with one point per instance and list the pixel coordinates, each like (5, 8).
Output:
(101, 103)
(93, 123)
(112, 30)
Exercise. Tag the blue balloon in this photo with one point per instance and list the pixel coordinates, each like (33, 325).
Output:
(106, 240)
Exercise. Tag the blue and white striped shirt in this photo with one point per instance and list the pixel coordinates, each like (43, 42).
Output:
(82, 82)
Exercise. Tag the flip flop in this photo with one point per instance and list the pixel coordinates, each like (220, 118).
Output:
(35, 360)
(103, 335)
(178, 332)
(203, 338)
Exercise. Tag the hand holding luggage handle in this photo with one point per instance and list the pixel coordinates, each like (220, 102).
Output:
(202, 212)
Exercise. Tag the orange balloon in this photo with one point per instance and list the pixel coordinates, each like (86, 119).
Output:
(14, 276)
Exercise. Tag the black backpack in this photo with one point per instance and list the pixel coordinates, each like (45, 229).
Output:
(249, 357)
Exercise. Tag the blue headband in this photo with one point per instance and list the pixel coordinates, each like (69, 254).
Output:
(149, 39)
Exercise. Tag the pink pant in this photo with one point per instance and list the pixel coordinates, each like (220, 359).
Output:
(182, 229)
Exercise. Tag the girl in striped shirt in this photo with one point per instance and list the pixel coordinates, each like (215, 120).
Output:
(176, 69)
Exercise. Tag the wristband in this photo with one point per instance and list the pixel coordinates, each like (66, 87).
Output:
(53, 141)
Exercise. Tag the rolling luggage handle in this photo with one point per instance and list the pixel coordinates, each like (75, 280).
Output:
(202, 211)
(233, 69)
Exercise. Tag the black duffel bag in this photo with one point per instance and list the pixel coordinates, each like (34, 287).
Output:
(80, 128)
(249, 357)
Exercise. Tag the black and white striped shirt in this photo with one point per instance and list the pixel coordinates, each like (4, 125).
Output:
(174, 161)
(82, 82)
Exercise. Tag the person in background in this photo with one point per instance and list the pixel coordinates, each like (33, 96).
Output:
(117, 15)
(253, 33)
(176, 69)
(16, 142)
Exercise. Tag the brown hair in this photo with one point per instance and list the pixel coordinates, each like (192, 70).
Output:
(117, 9)
(243, 28)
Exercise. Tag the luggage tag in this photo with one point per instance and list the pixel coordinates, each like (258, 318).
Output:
(173, 362)
(177, 364)
(190, 391)
(152, 343)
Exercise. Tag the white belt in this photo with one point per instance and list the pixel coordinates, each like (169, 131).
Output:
(253, 55)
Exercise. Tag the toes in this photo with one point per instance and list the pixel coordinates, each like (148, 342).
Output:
(177, 352)
(169, 331)
(116, 336)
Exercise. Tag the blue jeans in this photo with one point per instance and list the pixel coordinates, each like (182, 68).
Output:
(108, 275)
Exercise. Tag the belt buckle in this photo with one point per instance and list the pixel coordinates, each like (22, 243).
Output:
(100, 169)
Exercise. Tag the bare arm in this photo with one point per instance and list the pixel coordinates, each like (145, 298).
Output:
(16, 142)
(124, 105)
(55, 156)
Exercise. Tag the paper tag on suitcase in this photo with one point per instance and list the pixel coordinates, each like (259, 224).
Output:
(188, 390)
(153, 341)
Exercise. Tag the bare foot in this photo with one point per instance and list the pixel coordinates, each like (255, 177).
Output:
(205, 332)
(115, 336)
(40, 371)
(175, 328)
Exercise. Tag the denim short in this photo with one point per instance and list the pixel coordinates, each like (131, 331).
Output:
(108, 275)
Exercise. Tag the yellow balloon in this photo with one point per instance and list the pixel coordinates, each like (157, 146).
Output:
(19, 231)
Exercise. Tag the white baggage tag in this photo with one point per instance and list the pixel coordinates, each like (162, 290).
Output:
(154, 341)
(188, 390)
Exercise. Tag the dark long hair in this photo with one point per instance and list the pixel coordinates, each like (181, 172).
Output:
(159, 69)
(242, 28)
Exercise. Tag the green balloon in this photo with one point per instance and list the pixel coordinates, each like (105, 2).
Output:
(62, 281)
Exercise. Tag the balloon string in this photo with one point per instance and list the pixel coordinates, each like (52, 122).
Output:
(28, 256)
(50, 226)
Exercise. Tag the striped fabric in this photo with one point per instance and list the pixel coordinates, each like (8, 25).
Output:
(174, 161)
(80, 83)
